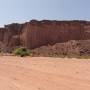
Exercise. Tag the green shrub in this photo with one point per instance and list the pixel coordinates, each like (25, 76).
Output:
(21, 52)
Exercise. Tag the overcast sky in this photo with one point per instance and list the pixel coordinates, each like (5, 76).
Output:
(25, 10)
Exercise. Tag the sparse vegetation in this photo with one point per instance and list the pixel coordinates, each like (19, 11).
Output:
(22, 52)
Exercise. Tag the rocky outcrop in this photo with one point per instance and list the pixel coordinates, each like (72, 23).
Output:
(39, 33)
(72, 48)
(35, 33)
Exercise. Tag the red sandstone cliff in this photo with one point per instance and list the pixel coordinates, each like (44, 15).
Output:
(35, 33)
(38, 33)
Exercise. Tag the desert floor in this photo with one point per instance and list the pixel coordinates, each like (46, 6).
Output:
(39, 73)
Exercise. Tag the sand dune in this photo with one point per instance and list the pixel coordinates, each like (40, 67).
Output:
(40, 73)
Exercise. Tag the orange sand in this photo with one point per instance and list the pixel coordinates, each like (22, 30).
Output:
(41, 73)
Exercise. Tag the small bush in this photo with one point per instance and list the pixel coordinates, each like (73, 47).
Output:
(21, 52)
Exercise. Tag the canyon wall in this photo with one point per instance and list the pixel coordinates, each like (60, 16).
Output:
(35, 33)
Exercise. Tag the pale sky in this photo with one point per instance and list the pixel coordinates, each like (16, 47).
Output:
(25, 10)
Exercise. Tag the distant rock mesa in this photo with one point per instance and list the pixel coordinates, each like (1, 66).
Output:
(35, 33)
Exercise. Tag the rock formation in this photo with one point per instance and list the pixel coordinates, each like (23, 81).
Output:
(35, 33)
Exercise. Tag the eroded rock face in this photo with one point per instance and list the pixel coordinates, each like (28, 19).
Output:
(38, 33)
(72, 48)
(10, 37)
(35, 33)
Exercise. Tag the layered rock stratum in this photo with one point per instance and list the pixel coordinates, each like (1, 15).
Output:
(67, 35)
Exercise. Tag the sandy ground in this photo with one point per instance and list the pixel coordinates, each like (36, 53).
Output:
(40, 73)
